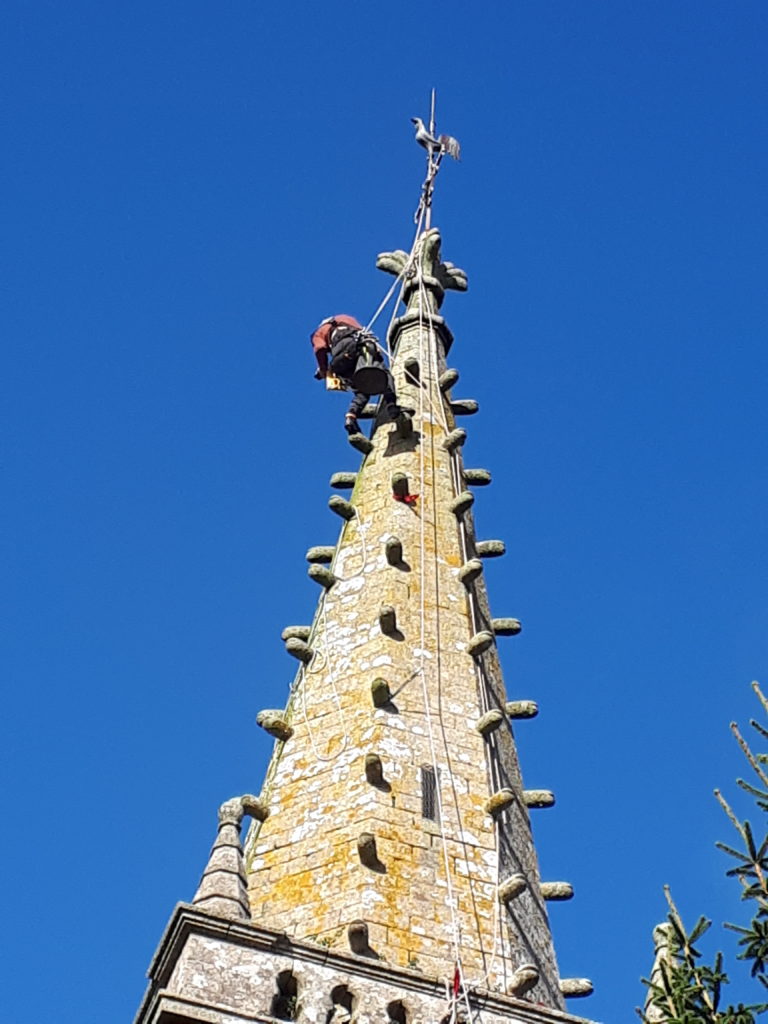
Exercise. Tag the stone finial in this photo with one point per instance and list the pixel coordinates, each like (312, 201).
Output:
(275, 723)
(574, 988)
(477, 477)
(435, 275)
(464, 407)
(381, 695)
(556, 891)
(388, 620)
(480, 643)
(361, 443)
(393, 549)
(511, 887)
(490, 548)
(521, 708)
(489, 722)
(455, 439)
(222, 890)
(538, 798)
(470, 571)
(341, 507)
(301, 632)
(523, 979)
(322, 575)
(299, 649)
(462, 503)
(447, 380)
(506, 627)
(499, 802)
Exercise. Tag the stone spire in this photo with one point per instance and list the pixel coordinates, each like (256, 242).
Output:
(390, 867)
(395, 794)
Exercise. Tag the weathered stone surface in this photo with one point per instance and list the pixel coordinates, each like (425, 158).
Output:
(524, 979)
(367, 851)
(462, 503)
(469, 572)
(321, 554)
(480, 643)
(500, 801)
(455, 439)
(299, 649)
(361, 443)
(374, 769)
(521, 708)
(556, 890)
(506, 627)
(464, 407)
(490, 548)
(576, 987)
(489, 722)
(343, 481)
(274, 722)
(447, 380)
(302, 632)
(477, 477)
(399, 483)
(412, 371)
(511, 887)
(538, 798)
(341, 507)
(357, 933)
(322, 575)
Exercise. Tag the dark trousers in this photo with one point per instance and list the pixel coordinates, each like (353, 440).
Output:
(344, 358)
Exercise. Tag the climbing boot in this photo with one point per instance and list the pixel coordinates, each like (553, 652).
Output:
(350, 424)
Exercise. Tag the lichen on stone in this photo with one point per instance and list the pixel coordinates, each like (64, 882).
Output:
(322, 575)
(506, 627)
(538, 798)
(521, 708)
(341, 507)
(463, 503)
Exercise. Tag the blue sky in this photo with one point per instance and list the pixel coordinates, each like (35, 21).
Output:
(187, 188)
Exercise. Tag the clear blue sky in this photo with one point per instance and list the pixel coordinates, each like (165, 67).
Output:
(187, 188)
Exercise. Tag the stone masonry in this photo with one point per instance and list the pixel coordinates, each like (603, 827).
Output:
(391, 842)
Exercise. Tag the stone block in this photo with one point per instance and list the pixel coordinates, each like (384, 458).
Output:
(343, 481)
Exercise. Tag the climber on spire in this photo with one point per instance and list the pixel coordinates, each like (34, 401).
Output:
(347, 353)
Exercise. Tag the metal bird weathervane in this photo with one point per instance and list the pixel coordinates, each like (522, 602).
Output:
(436, 146)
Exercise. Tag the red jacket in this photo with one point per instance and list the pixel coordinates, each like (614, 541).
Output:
(321, 337)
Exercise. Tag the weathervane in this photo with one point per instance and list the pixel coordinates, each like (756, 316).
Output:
(436, 146)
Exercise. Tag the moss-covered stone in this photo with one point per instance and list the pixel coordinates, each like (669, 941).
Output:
(321, 554)
(302, 632)
(463, 503)
(511, 887)
(470, 571)
(446, 380)
(464, 407)
(274, 722)
(361, 443)
(341, 507)
(499, 802)
(480, 643)
(538, 798)
(506, 627)
(477, 477)
(556, 890)
(490, 548)
(322, 575)
(489, 722)
(299, 649)
(521, 708)
(343, 481)
(455, 439)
